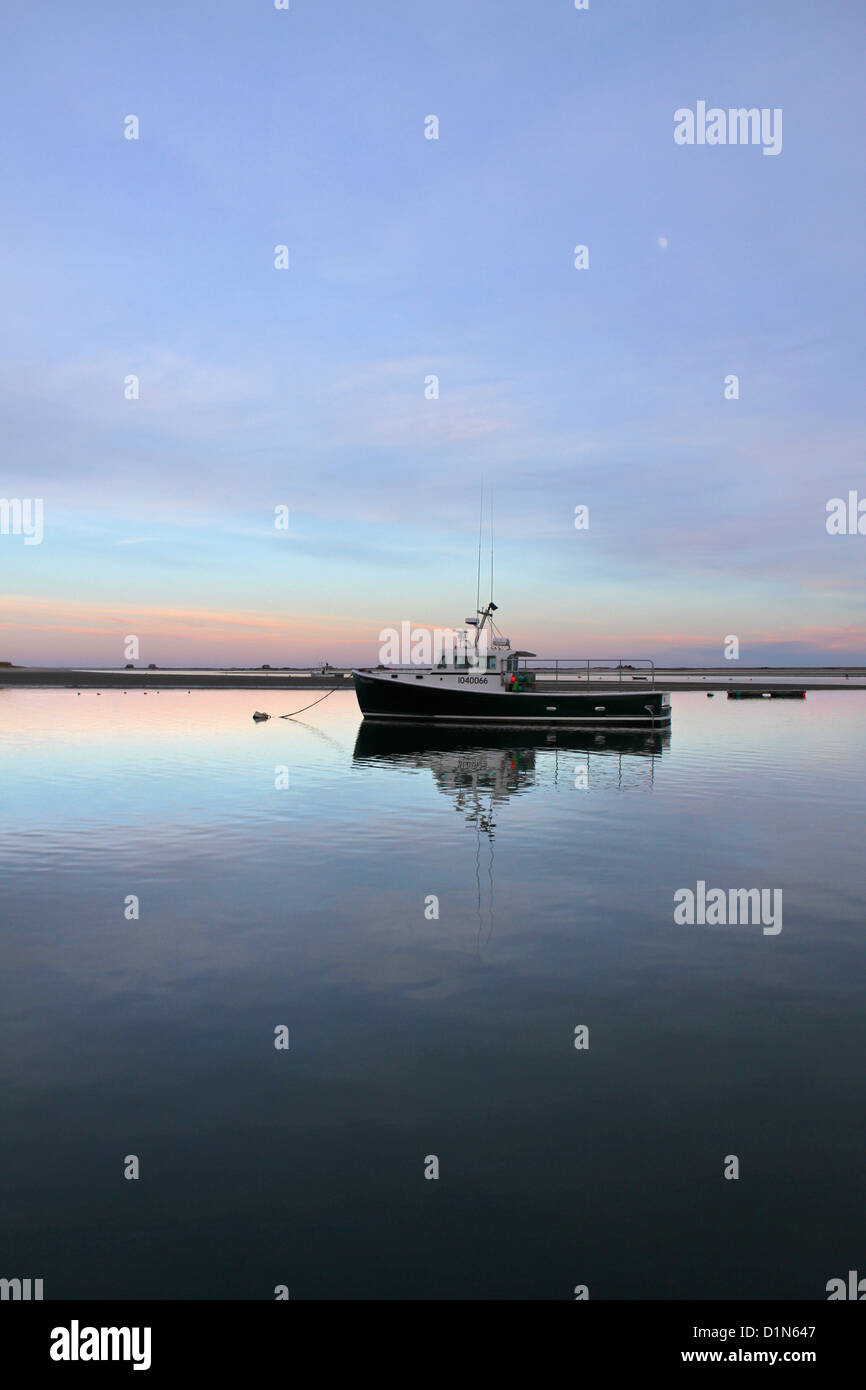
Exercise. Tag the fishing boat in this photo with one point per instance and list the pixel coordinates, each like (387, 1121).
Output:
(480, 680)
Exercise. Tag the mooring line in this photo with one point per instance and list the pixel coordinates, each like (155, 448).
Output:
(259, 715)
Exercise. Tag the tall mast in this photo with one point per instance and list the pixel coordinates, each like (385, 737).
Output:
(491, 546)
(478, 577)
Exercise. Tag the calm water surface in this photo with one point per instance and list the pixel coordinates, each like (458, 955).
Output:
(554, 863)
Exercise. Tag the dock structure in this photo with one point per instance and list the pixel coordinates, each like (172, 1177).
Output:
(758, 679)
(606, 673)
(771, 681)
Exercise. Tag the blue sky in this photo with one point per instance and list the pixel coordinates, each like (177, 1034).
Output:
(412, 257)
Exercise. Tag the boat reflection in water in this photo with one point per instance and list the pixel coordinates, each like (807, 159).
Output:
(479, 769)
(500, 763)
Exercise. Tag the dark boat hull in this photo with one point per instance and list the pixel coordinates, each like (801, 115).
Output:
(399, 700)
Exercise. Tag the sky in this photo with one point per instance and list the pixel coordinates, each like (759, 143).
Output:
(308, 388)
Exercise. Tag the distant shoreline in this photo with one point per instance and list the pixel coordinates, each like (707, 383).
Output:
(83, 679)
(675, 678)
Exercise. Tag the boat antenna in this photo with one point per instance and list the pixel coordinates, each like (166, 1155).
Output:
(478, 578)
(491, 545)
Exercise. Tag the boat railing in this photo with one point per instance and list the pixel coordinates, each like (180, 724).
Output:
(589, 669)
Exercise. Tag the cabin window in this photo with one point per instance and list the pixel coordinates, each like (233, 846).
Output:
(491, 663)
